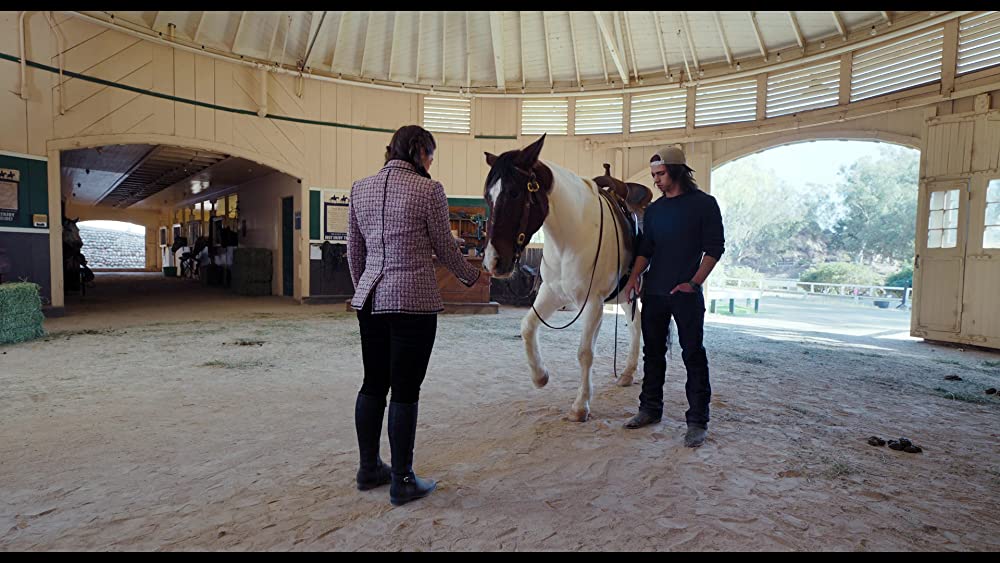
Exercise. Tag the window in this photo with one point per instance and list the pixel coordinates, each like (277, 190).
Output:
(448, 115)
(598, 115)
(991, 232)
(942, 224)
(897, 65)
(807, 88)
(725, 103)
(545, 116)
(978, 42)
(662, 110)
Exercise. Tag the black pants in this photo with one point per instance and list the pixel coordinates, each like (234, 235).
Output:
(688, 310)
(395, 349)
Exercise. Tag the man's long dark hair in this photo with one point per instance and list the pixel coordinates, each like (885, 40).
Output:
(680, 174)
(406, 144)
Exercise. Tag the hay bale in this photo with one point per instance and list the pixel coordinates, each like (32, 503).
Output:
(20, 312)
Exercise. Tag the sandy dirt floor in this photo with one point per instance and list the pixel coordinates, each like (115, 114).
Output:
(207, 421)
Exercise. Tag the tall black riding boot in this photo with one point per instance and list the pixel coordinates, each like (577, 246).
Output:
(368, 413)
(402, 433)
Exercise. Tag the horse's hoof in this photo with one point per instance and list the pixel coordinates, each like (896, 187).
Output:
(624, 381)
(579, 415)
(541, 381)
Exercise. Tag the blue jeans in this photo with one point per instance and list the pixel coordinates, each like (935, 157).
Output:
(688, 310)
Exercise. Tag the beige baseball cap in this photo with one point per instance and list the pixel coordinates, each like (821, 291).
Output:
(669, 155)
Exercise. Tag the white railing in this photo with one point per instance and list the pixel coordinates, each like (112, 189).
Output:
(856, 292)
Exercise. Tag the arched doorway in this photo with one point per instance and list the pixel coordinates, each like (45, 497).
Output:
(196, 190)
(819, 228)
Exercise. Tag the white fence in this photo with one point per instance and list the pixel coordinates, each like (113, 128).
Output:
(895, 296)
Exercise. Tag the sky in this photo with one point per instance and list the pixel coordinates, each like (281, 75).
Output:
(814, 161)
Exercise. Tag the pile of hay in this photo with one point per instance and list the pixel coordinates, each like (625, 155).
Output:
(20, 312)
(252, 271)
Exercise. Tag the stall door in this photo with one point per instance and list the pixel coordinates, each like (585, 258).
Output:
(287, 252)
(939, 269)
(981, 316)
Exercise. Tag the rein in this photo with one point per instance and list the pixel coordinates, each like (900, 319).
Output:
(600, 237)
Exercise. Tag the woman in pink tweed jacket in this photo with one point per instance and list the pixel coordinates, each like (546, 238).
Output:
(397, 218)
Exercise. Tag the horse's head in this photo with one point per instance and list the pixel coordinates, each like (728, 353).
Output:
(71, 233)
(517, 191)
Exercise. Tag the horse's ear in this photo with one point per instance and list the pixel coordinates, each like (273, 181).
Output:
(529, 154)
(491, 158)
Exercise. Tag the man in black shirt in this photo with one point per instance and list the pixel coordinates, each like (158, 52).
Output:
(681, 243)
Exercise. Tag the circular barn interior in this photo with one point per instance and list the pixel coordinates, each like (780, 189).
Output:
(181, 369)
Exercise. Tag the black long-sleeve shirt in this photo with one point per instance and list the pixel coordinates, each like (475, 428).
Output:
(677, 232)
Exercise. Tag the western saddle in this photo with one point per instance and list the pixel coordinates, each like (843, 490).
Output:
(629, 203)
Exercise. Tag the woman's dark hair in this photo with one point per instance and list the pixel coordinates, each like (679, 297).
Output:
(681, 174)
(406, 144)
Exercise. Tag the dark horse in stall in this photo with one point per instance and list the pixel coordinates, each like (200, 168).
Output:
(76, 273)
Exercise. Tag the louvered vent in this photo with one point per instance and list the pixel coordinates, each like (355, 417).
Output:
(447, 115)
(598, 115)
(662, 110)
(898, 65)
(725, 103)
(804, 89)
(978, 42)
(544, 116)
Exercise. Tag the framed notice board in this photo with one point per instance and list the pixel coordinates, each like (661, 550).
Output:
(336, 208)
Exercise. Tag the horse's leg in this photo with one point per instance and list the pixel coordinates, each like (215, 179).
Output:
(546, 303)
(591, 317)
(635, 331)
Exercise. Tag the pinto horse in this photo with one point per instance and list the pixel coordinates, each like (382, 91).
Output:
(585, 253)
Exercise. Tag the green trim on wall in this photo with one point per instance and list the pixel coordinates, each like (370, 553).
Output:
(32, 191)
(465, 200)
(506, 137)
(315, 204)
(172, 98)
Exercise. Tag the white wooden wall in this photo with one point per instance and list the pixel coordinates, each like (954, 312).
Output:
(957, 290)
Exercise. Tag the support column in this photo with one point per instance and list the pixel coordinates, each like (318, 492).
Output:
(55, 231)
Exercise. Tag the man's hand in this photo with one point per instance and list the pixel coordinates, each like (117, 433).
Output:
(683, 288)
(632, 287)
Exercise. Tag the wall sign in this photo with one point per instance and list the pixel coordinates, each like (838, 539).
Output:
(336, 209)
(9, 183)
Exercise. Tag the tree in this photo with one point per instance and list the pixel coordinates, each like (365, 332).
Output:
(878, 210)
(760, 211)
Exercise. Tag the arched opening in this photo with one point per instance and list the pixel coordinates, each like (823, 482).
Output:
(186, 216)
(821, 230)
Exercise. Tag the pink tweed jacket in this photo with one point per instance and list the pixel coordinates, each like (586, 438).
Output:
(397, 218)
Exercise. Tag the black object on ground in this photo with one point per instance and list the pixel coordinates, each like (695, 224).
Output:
(991, 391)
(952, 378)
(876, 441)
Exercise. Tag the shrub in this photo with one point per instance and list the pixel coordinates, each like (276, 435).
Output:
(741, 272)
(842, 272)
(902, 278)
